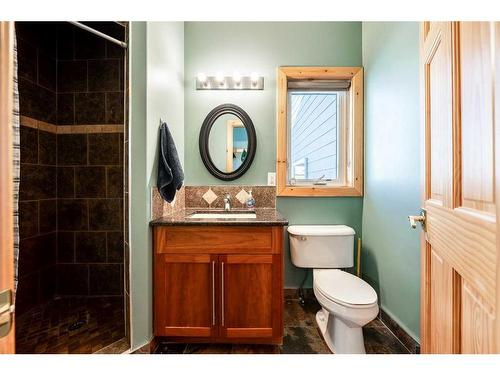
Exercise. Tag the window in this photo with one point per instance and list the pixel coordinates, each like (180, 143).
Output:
(320, 125)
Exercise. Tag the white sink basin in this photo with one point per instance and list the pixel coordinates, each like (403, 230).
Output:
(223, 215)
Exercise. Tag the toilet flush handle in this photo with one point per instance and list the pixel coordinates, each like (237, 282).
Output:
(303, 238)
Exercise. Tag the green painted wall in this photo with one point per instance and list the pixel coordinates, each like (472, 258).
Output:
(156, 91)
(262, 47)
(140, 260)
(391, 250)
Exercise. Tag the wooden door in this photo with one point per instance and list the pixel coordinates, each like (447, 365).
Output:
(7, 344)
(461, 160)
(185, 293)
(251, 296)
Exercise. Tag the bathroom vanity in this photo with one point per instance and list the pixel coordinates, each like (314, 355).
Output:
(219, 279)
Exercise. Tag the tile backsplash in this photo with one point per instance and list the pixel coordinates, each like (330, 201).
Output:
(212, 197)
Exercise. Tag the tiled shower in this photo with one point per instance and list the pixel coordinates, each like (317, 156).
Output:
(71, 208)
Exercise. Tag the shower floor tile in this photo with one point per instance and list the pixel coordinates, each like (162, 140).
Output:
(71, 325)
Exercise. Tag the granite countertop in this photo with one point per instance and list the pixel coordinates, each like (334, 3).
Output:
(265, 217)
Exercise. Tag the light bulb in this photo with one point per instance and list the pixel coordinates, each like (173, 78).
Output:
(254, 77)
(220, 78)
(202, 77)
(237, 77)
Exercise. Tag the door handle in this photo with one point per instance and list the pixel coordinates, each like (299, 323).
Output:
(6, 311)
(418, 218)
(222, 294)
(213, 293)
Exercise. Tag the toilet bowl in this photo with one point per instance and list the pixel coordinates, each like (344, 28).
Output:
(348, 302)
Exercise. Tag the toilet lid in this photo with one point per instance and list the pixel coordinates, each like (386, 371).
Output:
(321, 230)
(344, 287)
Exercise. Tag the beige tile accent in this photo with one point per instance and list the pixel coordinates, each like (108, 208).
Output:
(242, 196)
(45, 126)
(209, 196)
(88, 129)
(28, 122)
(70, 129)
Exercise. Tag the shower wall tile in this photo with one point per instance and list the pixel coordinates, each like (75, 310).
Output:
(72, 279)
(65, 44)
(105, 279)
(30, 255)
(105, 214)
(47, 283)
(66, 109)
(113, 50)
(28, 219)
(46, 147)
(104, 75)
(71, 76)
(47, 218)
(36, 101)
(90, 247)
(89, 65)
(39, 34)
(47, 71)
(65, 182)
(90, 182)
(65, 247)
(90, 108)
(36, 253)
(72, 214)
(29, 143)
(104, 149)
(27, 60)
(115, 247)
(114, 182)
(114, 108)
(37, 182)
(72, 185)
(71, 149)
(89, 46)
(27, 294)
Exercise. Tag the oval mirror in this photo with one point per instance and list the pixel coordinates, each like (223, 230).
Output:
(227, 142)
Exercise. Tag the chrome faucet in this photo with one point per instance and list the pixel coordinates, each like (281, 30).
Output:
(227, 202)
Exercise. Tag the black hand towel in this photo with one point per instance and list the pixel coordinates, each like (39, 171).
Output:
(170, 173)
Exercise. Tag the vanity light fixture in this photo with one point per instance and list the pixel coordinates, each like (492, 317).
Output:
(235, 82)
(220, 78)
(202, 79)
(237, 78)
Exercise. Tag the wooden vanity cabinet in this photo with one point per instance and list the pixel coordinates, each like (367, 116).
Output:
(209, 286)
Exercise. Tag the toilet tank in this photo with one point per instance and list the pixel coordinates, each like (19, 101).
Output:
(321, 246)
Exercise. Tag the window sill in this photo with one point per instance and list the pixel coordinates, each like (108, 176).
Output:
(319, 191)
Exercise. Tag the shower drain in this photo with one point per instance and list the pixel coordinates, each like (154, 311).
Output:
(76, 325)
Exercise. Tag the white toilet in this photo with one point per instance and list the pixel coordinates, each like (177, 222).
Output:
(348, 302)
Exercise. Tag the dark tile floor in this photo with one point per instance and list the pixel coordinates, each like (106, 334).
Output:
(302, 336)
(47, 328)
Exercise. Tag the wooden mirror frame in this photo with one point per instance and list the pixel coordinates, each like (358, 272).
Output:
(214, 114)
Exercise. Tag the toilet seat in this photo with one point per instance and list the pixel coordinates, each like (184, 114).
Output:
(344, 288)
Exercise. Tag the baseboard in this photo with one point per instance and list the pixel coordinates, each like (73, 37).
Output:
(403, 336)
(148, 348)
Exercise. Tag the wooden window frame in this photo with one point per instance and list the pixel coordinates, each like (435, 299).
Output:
(354, 186)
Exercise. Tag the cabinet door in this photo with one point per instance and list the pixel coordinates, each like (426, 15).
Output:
(185, 295)
(251, 296)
